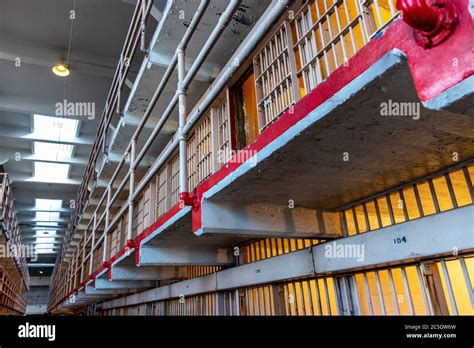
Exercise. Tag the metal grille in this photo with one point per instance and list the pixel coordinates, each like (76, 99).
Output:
(378, 14)
(223, 133)
(199, 271)
(191, 162)
(10, 297)
(266, 248)
(442, 287)
(273, 77)
(203, 149)
(194, 305)
(162, 191)
(446, 191)
(392, 291)
(329, 32)
(457, 280)
(310, 297)
(257, 301)
(174, 182)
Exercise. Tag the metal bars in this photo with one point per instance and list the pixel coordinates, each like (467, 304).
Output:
(11, 300)
(448, 190)
(329, 32)
(274, 77)
(266, 248)
(10, 231)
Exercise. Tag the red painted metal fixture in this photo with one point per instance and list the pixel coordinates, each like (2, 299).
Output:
(433, 21)
(186, 198)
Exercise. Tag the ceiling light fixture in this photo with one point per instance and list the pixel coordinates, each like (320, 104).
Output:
(61, 70)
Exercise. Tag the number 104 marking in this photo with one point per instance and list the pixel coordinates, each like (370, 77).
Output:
(399, 240)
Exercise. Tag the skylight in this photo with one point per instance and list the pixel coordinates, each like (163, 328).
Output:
(45, 234)
(45, 249)
(48, 204)
(50, 172)
(47, 240)
(46, 215)
(53, 151)
(55, 128)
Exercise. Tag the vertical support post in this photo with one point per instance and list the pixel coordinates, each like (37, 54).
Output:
(278, 299)
(91, 253)
(143, 27)
(292, 61)
(183, 172)
(220, 303)
(342, 296)
(394, 293)
(107, 221)
(131, 191)
(380, 293)
(467, 281)
(426, 302)
(449, 287)
(468, 182)
(407, 291)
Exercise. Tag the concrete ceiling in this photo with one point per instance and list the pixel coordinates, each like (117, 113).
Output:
(35, 36)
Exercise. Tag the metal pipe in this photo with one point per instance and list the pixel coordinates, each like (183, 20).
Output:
(128, 50)
(260, 30)
(183, 173)
(224, 20)
(130, 193)
(169, 71)
(143, 27)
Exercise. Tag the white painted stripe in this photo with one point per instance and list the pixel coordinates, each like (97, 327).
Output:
(171, 221)
(451, 95)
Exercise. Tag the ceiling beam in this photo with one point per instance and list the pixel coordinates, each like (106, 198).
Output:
(25, 207)
(29, 191)
(12, 154)
(28, 105)
(14, 132)
(17, 177)
(48, 56)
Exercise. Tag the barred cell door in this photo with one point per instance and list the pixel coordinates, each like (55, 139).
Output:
(438, 287)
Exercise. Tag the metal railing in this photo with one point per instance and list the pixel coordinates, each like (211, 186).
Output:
(281, 72)
(135, 34)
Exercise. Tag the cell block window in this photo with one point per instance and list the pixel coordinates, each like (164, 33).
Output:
(191, 162)
(327, 33)
(460, 186)
(273, 77)
(271, 247)
(174, 180)
(204, 166)
(311, 297)
(162, 191)
(457, 283)
(223, 133)
(257, 301)
(393, 291)
(378, 14)
(444, 192)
